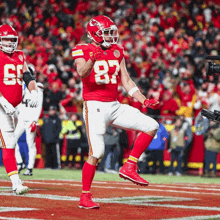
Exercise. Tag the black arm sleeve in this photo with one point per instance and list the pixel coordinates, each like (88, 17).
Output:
(27, 77)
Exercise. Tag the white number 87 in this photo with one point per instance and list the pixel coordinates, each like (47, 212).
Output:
(101, 68)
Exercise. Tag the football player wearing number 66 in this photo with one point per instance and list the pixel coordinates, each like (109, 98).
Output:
(101, 66)
(13, 70)
(27, 121)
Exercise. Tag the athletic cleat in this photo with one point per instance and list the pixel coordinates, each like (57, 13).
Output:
(86, 202)
(28, 172)
(21, 190)
(129, 172)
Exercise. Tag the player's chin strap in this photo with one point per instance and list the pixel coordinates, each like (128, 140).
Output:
(213, 116)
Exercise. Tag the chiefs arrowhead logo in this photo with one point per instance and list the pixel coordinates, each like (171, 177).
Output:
(93, 22)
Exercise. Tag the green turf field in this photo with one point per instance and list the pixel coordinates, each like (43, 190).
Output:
(77, 174)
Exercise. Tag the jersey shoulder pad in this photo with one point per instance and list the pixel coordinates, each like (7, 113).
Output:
(118, 51)
(19, 52)
(20, 55)
(119, 47)
(79, 50)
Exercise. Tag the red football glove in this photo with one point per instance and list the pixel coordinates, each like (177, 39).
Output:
(96, 54)
(151, 103)
(33, 126)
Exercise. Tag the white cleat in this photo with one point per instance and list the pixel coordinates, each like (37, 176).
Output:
(21, 190)
(28, 172)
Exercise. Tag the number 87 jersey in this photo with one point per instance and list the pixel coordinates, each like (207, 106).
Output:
(102, 83)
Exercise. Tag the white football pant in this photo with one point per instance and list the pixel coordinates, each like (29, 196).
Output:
(7, 128)
(98, 115)
(30, 138)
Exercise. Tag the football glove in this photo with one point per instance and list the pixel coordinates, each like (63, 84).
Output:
(151, 103)
(34, 99)
(33, 126)
(8, 107)
(96, 54)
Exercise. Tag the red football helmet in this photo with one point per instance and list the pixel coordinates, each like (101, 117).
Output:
(8, 38)
(102, 30)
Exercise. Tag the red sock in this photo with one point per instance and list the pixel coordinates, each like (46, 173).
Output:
(140, 145)
(88, 174)
(10, 161)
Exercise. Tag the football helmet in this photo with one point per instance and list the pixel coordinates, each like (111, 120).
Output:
(8, 32)
(102, 30)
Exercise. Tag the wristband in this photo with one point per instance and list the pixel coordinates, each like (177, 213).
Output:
(133, 90)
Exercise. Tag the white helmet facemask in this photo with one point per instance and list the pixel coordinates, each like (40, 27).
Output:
(109, 35)
(8, 46)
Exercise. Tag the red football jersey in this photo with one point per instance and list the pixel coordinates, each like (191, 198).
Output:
(102, 83)
(11, 76)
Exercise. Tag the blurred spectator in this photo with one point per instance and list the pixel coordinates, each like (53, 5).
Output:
(84, 146)
(212, 148)
(155, 152)
(168, 80)
(155, 92)
(53, 97)
(50, 137)
(50, 71)
(73, 132)
(199, 52)
(64, 119)
(201, 99)
(111, 154)
(201, 128)
(72, 102)
(186, 92)
(188, 143)
(179, 138)
(169, 106)
(123, 143)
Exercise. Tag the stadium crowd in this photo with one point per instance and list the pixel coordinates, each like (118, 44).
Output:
(165, 44)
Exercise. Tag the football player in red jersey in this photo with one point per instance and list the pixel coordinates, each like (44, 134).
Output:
(101, 65)
(13, 70)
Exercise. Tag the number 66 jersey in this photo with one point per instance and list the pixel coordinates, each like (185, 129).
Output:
(102, 83)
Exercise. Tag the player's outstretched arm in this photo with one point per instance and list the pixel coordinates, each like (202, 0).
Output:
(129, 84)
(132, 88)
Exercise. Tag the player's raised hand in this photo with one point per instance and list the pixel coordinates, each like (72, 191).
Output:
(33, 126)
(151, 103)
(34, 99)
(8, 107)
(96, 54)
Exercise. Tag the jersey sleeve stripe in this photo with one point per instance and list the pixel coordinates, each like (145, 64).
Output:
(2, 140)
(77, 53)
